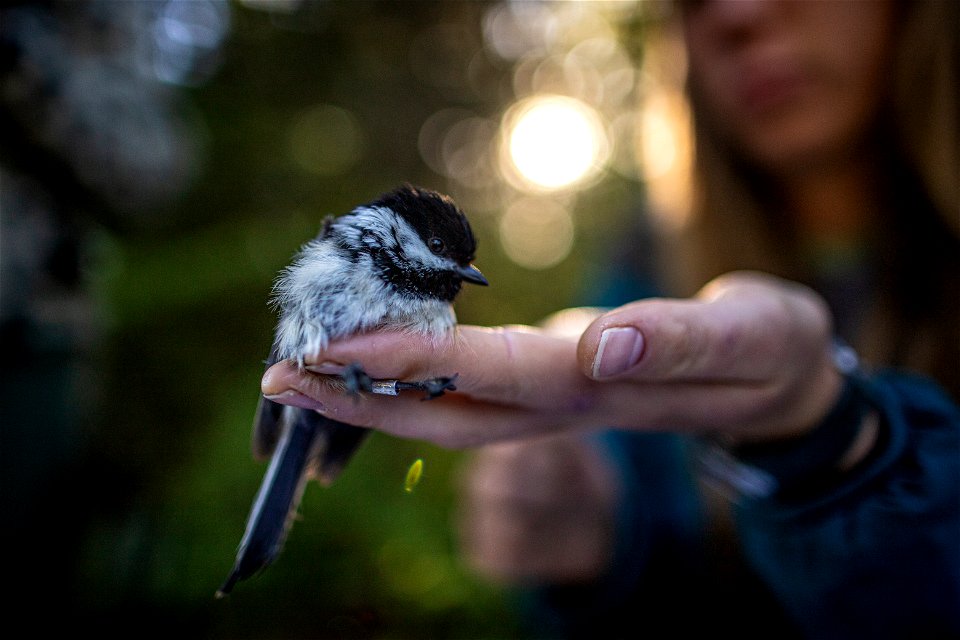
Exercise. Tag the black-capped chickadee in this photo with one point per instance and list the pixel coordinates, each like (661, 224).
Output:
(397, 262)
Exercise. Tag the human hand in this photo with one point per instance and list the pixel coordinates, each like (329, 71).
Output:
(749, 357)
(539, 510)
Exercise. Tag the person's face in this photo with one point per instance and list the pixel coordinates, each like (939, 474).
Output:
(794, 83)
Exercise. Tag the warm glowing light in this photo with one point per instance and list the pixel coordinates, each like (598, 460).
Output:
(554, 142)
(664, 148)
(658, 141)
(536, 233)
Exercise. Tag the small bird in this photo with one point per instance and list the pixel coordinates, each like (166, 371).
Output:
(396, 262)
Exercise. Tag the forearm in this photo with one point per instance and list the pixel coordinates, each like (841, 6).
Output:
(875, 554)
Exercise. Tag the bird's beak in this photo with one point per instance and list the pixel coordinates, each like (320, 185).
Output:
(471, 274)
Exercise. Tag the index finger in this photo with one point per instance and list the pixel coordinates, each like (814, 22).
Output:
(507, 365)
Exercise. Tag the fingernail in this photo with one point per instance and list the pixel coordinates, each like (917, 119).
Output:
(295, 399)
(620, 350)
(327, 367)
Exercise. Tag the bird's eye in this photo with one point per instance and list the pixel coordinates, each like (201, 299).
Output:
(436, 245)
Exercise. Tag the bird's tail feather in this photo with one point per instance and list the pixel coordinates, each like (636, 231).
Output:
(302, 440)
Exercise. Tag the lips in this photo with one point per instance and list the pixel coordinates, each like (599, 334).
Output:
(765, 89)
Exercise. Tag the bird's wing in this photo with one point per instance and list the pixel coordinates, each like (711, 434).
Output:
(342, 441)
(267, 427)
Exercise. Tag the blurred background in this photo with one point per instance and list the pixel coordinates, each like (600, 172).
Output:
(160, 161)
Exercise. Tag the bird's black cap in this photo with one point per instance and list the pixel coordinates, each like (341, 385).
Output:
(434, 216)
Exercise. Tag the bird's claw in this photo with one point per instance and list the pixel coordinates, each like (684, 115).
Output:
(356, 381)
(436, 387)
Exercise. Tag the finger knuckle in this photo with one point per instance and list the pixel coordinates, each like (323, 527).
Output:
(503, 382)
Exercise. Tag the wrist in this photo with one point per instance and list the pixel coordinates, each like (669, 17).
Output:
(815, 459)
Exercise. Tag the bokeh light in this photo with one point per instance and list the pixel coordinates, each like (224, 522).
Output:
(663, 147)
(658, 140)
(537, 233)
(553, 142)
(513, 29)
(326, 140)
(186, 40)
(458, 144)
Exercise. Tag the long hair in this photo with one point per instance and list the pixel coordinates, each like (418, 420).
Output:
(914, 310)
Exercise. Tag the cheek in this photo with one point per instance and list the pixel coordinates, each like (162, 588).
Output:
(856, 52)
(839, 108)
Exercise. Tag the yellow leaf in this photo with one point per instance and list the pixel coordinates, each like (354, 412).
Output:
(413, 475)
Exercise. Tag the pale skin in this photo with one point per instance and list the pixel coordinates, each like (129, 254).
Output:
(748, 358)
(712, 363)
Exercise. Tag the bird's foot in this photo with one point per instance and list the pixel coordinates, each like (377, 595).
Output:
(357, 380)
(434, 387)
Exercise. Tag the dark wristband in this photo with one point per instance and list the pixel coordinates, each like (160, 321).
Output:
(801, 466)
(809, 462)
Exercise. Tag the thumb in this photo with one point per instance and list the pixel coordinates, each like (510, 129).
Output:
(633, 339)
(741, 328)
(658, 340)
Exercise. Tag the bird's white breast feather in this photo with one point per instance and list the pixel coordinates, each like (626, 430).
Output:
(324, 296)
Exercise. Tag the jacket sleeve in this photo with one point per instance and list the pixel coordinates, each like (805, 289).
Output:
(878, 554)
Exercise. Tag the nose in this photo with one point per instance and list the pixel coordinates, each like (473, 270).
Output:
(734, 21)
(741, 12)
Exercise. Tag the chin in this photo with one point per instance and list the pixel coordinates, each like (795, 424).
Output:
(800, 143)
